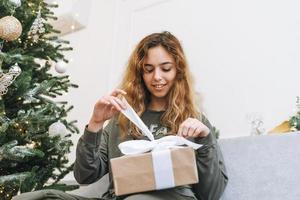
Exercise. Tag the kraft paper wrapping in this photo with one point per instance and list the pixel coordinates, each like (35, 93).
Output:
(134, 173)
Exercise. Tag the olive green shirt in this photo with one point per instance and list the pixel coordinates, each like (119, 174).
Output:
(94, 150)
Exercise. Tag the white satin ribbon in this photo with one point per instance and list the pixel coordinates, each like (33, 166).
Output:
(163, 169)
(132, 116)
(161, 155)
(141, 146)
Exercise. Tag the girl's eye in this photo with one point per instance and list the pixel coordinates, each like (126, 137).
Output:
(166, 69)
(148, 69)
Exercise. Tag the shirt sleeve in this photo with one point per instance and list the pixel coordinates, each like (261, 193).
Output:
(211, 168)
(91, 156)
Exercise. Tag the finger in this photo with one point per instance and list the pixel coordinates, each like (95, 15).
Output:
(198, 132)
(117, 91)
(121, 103)
(183, 128)
(191, 131)
(205, 131)
(113, 109)
(179, 132)
(202, 131)
(107, 100)
(102, 102)
(112, 100)
(192, 126)
(180, 129)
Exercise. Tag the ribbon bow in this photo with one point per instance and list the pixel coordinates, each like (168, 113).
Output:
(142, 146)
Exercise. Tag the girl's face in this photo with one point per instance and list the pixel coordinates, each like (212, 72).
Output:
(159, 72)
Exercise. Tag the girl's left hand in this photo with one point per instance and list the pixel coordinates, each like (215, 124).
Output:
(192, 127)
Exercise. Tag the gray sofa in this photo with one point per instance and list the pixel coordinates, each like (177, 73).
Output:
(259, 167)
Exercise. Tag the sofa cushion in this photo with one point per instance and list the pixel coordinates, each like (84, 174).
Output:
(262, 167)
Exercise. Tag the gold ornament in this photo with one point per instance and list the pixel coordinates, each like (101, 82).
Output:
(10, 28)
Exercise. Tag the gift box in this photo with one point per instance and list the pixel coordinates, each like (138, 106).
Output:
(156, 170)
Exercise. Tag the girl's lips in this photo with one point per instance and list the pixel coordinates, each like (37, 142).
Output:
(159, 86)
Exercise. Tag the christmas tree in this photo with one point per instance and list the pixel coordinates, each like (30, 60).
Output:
(294, 121)
(34, 131)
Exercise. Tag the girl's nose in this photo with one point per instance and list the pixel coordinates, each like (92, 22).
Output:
(157, 74)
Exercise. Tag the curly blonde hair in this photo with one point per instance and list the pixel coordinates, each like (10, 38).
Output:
(181, 97)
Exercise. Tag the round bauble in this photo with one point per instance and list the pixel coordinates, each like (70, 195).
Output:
(16, 3)
(57, 128)
(15, 69)
(10, 28)
(61, 67)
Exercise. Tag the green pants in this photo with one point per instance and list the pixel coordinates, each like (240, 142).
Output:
(59, 195)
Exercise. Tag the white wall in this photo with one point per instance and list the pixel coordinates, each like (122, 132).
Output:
(244, 55)
(90, 66)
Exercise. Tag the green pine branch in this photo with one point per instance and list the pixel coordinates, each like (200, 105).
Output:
(294, 121)
(30, 157)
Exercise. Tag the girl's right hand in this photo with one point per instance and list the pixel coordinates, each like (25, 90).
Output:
(105, 108)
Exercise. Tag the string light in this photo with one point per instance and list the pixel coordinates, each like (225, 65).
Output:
(31, 145)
